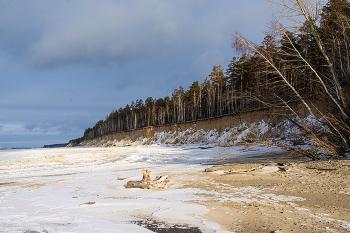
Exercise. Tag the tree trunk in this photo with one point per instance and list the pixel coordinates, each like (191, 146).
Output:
(147, 183)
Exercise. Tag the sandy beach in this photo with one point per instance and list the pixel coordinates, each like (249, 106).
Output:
(277, 194)
(84, 190)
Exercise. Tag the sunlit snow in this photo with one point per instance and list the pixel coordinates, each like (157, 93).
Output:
(78, 190)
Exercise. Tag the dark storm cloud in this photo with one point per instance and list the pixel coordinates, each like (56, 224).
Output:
(65, 32)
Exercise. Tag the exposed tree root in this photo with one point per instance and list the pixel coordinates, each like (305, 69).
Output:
(147, 183)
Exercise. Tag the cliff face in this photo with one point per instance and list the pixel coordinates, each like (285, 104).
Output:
(271, 115)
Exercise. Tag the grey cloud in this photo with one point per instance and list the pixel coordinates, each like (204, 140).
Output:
(31, 125)
(129, 30)
(62, 125)
(51, 126)
(21, 24)
(42, 126)
(106, 31)
(50, 33)
(1, 127)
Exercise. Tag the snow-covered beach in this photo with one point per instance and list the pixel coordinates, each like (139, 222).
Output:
(45, 189)
(83, 190)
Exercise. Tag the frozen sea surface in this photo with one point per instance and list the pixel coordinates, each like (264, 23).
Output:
(78, 190)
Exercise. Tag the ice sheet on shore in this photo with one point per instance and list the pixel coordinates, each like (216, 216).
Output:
(78, 190)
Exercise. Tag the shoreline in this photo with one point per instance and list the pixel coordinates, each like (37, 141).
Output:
(84, 187)
(300, 195)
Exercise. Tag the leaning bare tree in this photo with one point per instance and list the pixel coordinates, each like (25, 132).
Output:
(311, 64)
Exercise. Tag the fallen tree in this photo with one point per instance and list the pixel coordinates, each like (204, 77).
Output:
(311, 55)
(147, 183)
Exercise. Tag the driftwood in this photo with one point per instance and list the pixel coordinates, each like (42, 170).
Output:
(241, 171)
(209, 169)
(147, 183)
(124, 178)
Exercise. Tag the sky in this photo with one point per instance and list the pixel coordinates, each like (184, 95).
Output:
(64, 65)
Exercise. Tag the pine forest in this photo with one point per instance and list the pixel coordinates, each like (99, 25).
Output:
(304, 62)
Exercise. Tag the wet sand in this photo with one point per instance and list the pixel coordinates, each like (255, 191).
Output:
(276, 194)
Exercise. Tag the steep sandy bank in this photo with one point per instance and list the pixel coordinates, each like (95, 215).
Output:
(219, 124)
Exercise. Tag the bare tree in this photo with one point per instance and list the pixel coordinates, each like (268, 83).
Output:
(305, 17)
